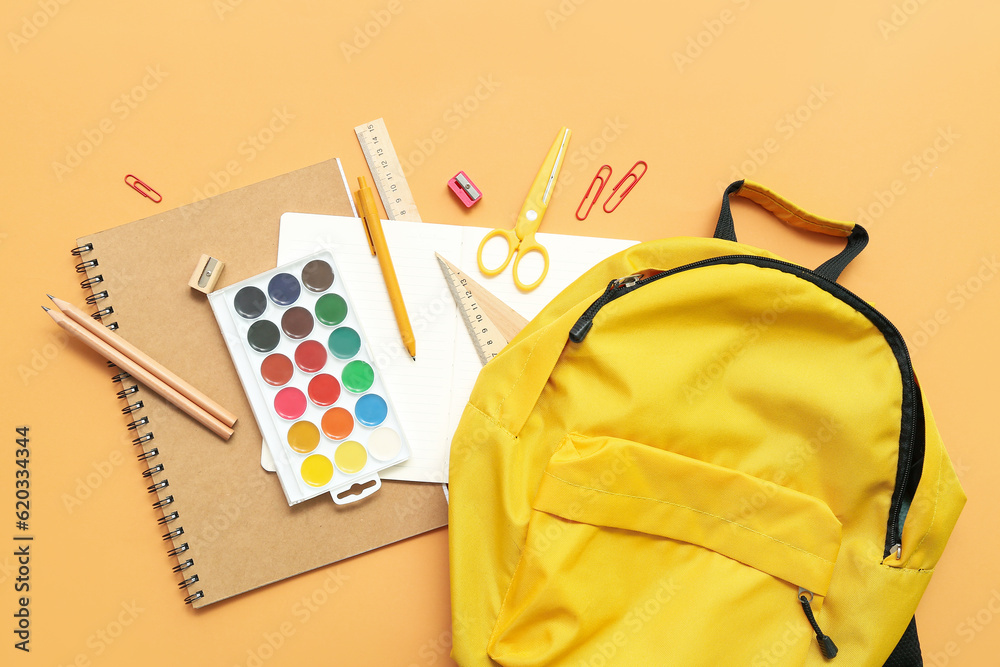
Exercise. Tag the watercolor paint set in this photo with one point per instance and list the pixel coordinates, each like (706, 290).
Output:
(306, 368)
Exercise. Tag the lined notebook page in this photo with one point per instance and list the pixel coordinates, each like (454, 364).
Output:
(429, 394)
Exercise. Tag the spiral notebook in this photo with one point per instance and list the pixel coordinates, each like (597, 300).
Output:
(224, 516)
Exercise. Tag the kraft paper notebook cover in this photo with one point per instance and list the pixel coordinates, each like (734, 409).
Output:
(239, 532)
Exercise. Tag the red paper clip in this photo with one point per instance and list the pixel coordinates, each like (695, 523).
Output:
(143, 189)
(631, 172)
(604, 181)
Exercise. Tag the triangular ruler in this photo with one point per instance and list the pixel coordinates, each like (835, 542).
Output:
(491, 322)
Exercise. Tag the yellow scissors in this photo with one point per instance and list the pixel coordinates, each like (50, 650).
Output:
(521, 240)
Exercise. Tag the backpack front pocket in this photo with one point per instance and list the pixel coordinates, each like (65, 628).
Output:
(637, 555)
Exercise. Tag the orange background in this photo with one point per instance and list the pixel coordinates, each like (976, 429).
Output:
(880, 111)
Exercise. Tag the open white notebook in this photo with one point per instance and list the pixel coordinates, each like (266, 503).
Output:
(429, 394)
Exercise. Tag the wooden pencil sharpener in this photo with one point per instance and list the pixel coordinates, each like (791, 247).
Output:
(206, 274)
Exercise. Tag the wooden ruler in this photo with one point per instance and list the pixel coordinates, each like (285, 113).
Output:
(490, 321)
(387, 171)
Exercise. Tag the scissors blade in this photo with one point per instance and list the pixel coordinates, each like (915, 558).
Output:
(557, 165)
(543, 186)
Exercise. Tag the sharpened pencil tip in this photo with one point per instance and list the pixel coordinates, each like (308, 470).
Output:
(51, 297)
(414, 357)
(45, 309)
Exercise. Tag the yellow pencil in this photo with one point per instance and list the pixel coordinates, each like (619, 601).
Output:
(376, 238)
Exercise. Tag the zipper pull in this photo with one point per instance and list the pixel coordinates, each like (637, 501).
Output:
(826, 645)
(586, 321)
(628, 281)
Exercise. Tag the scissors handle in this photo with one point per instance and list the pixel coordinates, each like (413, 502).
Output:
(512, 244)
(529, 245)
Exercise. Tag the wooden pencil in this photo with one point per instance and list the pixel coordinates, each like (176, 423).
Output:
(143, 359)
(141, 373)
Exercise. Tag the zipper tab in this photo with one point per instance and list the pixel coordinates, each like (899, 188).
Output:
(615, 289)
(581, 328)
(897, 549)
(826, 645)
(628, 281)
(586, 321)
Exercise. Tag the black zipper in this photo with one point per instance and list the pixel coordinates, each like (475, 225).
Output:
(907, 473)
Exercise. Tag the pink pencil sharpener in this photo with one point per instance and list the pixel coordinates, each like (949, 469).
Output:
(465, 189)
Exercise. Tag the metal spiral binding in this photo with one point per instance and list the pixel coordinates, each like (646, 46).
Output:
(177, 551)
(167, 518)
(145, 456)
(141, 421)
(174, 533)
(124, 393)
(160, 504)
(149, 472)
(191, 598)
(96, 296)
(143, 438)
(180, 567)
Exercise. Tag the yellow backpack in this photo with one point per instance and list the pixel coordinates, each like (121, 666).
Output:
(699, 454)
